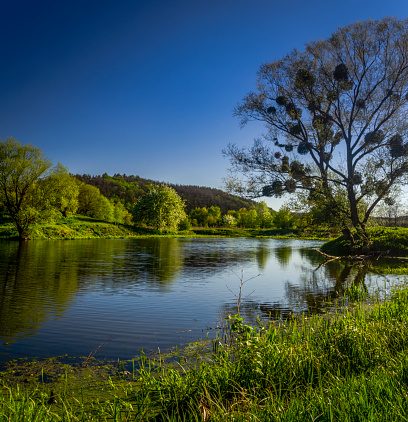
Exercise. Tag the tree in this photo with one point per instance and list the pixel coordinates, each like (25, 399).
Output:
(161, 208)
(264, 215)
(283, 219)
(336, 114)
(62, 190)
(229, 220)
(213, 216)
(199, 216)
(22, 167)
(252, 219)
(121, 215)
(93, 204)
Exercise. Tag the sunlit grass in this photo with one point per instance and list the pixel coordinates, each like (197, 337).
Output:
(80, 227)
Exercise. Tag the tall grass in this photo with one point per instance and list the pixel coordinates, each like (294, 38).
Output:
(350, 365)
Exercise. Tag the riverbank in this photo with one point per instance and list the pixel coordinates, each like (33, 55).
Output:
(79, 227)
(350, 365)
(386, 241)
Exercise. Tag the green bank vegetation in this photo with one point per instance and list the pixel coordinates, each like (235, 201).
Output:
(81, 227)
(387, 241)
(348, 365)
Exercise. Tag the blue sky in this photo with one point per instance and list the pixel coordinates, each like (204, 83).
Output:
(148, 87)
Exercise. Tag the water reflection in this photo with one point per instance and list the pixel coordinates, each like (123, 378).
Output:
(318, 284)
(283, 255)
(69, 296)
(28, 290)
(262, 253)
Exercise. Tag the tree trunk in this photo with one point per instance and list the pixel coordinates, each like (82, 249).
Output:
(349, 239)
(22, 232)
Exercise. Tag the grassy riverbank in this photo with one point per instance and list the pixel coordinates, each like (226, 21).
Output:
(79, 227)
(390, 241)
(348, 366)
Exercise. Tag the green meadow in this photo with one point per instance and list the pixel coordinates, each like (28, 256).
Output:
(81, 227)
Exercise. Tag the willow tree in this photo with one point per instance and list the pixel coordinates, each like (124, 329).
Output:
(336, 114)
(22, 169)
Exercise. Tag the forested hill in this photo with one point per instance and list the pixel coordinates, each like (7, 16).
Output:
(129, 188)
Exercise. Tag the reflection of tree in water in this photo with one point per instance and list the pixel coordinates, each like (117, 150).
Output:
(33, 285)
(39, 279)
(311, 256)
(211, 257)
(324, 285)
(262, 254)
(315, 288)
(157, 260)
(283, 255)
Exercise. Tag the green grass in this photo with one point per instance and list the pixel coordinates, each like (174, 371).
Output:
(392, 241)
(80, 227)
(72, 228)
(350, 365)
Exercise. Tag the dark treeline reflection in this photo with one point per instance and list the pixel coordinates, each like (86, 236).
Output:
(317, 284)
(283, 255)
(36, 282)
(39, 280)
(67, 290)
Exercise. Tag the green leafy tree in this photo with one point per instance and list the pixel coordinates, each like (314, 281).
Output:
(264, 215)
(185, 224)
(62, 190)
(346, 95)
(283, 219)
(22, 167)
(213, 216)
(252, 220)
(93, 204)
(120, 214)
(241, 217)
(161, 208)
(106, 211)
(229, 220)
(199, 216)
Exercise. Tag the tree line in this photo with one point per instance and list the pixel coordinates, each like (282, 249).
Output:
(33, 190)
(129, 188)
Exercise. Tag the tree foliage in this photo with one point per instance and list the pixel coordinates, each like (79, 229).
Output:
(92, 203)
(336, 114)
(283, 219)
(62, 190)
(161, 208)
(22, 167)
(129, 189)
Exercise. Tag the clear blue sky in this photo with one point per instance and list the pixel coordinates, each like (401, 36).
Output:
(148, 87)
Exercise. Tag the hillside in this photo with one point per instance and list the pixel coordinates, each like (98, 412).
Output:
(128, 189)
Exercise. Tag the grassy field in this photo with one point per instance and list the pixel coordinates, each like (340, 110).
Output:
(350, 365)
(79, 227)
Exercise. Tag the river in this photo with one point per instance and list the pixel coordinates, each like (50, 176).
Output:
(69, 297)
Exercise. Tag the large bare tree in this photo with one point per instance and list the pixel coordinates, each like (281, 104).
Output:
(336, 114)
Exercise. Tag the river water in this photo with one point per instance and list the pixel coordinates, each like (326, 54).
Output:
(69, 297)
